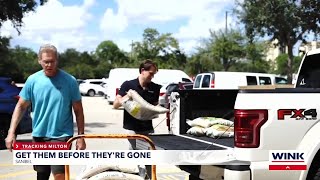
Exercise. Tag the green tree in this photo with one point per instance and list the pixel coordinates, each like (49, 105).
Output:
(255, 58)
(80, 64)
(202, 62)
(7, 68)
(288, 21)
(259, 66)
(70, 57)
(163, 48)
(13, 10)
(82, 71)
(108, 51)
(26, 60)
(227, 48)
(281, 64)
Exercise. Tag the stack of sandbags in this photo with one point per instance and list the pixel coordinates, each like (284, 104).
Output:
(139, 108)
(114, 172)
(211, 127)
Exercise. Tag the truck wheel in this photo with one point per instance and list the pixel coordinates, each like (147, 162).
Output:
(314, 170)
(91, 92)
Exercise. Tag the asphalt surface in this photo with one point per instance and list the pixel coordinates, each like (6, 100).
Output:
(100, 119)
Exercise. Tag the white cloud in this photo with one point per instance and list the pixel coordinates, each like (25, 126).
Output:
(88, 3)
(66, 25)
(113, 23)
(146, 10)
(54, 23)
(200, 16)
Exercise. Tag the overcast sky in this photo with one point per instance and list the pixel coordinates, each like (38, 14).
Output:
(83, 24)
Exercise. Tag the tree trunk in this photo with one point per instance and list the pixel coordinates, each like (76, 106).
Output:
(290, 63)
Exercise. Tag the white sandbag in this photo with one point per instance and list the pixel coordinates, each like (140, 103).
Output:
(198, 122)
(208, 121)
(114, 175)
(139, 108)
(196, 130)
(221, 121)
(219, 130)
(92, 170)
(133, 169)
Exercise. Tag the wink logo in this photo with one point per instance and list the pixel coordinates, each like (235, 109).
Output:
(286, 160)
(288, 157)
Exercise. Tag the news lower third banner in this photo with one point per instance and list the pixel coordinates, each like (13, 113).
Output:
(59, 153)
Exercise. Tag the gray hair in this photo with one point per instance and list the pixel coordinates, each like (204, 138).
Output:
(47, 48)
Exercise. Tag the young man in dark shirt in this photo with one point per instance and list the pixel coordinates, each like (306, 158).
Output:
(149, 91)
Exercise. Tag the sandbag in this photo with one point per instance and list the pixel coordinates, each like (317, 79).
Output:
(139, 108)
(92, 170)
(115, 175)
(206, 122)
(196, 130)
(219, 130)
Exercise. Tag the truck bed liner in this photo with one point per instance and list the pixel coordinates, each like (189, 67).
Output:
(185, 142)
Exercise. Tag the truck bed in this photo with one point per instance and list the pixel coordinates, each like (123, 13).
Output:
(186, 142)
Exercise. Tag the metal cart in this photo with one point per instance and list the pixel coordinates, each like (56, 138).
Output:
(114, 136)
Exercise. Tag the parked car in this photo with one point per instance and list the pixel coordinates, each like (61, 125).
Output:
(164, 89)
(9, 96)
(166, 77)
(80, 81)
(91, 87)
(103, 92)
(174, 87)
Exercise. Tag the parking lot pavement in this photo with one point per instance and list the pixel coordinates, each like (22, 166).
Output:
(100, 119)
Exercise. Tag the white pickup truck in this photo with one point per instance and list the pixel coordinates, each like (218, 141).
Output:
(284, 120)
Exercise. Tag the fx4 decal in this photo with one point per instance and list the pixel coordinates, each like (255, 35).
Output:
(298, 114)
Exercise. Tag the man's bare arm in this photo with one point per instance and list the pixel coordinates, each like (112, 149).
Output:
(78, 111)
(17, 115)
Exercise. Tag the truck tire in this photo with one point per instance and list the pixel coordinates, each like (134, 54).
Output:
(91, 93)
(314, 170)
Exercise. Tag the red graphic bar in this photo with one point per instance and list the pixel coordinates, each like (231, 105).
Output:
(40, 146)
(287, 167)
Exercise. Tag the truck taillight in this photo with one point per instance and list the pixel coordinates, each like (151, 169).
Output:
(247, 124)
(117, 91)
(212, 84)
